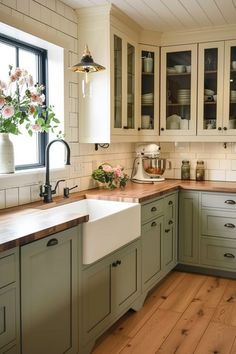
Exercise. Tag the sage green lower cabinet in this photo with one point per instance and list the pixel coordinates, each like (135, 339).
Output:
(108, 289)
(49, 294)
(218, 230)
(170, 232)
(188, 227)
(152, 235)
(159, 237)
(9, 302)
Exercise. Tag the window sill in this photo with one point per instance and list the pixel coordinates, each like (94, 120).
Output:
(30, 177)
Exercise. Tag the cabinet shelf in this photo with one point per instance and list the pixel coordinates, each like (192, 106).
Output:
(211, 102)
(147, 74)
(178, 104)
(179, 74)
(147, 104)
(210, 72)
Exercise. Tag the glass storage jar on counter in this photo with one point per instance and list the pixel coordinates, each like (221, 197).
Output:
(185, 170)
(200, 171)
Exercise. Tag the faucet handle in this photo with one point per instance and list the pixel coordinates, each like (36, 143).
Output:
(66, 191)
(56, 185)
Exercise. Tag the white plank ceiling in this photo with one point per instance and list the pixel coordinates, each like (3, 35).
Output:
(171, 15)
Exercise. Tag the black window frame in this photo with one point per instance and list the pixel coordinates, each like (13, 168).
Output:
(42, 79)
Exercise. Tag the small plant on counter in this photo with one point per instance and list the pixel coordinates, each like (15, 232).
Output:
(22, 105)
(111, 177)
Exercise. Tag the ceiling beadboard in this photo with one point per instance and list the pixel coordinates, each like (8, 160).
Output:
(171, 15)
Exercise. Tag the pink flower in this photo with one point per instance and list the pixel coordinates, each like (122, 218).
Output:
(118, 172)
(107, 168)
(18, 72)
(13, 77)
(2, 101)
(36, 127)
(8, 111)
(39, 99)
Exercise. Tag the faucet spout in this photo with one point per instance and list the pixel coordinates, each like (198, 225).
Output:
(47, 192)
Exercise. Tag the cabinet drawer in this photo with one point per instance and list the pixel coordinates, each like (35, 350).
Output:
(7, 315)
(218, 253)
(219, 223)
(218, 200)
(7, 268)
(152, 210)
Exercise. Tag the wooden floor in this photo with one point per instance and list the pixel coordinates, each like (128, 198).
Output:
(187, 313)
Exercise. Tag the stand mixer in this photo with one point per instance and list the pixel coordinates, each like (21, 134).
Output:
(148, 167)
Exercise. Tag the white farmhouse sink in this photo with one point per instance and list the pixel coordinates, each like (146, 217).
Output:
(111, 225)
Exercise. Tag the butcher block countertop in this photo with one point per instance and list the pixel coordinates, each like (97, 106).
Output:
(26, 223)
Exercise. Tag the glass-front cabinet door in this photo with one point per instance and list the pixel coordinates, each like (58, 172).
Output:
(178, 90)
(123, 85)
(229, 122)
(149, 113)
(210, 88)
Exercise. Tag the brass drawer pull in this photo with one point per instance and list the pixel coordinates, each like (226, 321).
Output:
(170, 222)
(154, 209)
(229, 225)
(230, 201)
(153, 224)
(52, 242)
(170, 202)
(229, 255)
(167, 230)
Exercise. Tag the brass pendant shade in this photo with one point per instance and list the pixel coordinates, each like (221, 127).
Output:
(87, 65)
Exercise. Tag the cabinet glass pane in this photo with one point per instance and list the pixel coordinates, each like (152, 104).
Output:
(178, 98)
(210, 88)
(232, 103)
(117, 82)
(130, 84)
(147, 90)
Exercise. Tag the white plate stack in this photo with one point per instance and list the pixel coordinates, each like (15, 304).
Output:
(183, 96)
(147, 98)
(233, 96)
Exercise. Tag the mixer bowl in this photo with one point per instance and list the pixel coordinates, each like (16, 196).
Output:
(154, 166)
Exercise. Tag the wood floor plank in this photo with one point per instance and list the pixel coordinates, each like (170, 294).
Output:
(226, 310)
(217, 339)
(151, 336)
(184, 293)
(212, 291)
(188, 331)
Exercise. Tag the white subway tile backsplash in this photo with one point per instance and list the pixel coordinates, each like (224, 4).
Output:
(10, 3)
(2, 199)
(12, 197)
(24, 195)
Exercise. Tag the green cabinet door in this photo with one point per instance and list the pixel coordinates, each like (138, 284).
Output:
(152, 234)
(126, 283)
(188, 227)
(169, 234)
(8, 313)
(108, 288)
(48, 294)
(95, 306)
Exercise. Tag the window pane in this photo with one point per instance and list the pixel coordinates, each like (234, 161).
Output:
(29, 62)
(8, 57)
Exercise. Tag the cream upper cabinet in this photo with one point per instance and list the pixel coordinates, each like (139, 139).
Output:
(229, 118)
(178, 90)
(124, 85)
(210, 88)
(148, 123)
(217, 88)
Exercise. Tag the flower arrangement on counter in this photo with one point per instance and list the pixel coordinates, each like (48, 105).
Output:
(111, 177)
(22, 105)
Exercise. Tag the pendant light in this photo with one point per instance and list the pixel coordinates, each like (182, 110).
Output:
(87, 64)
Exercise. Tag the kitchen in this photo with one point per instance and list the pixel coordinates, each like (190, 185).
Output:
(56, 22)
